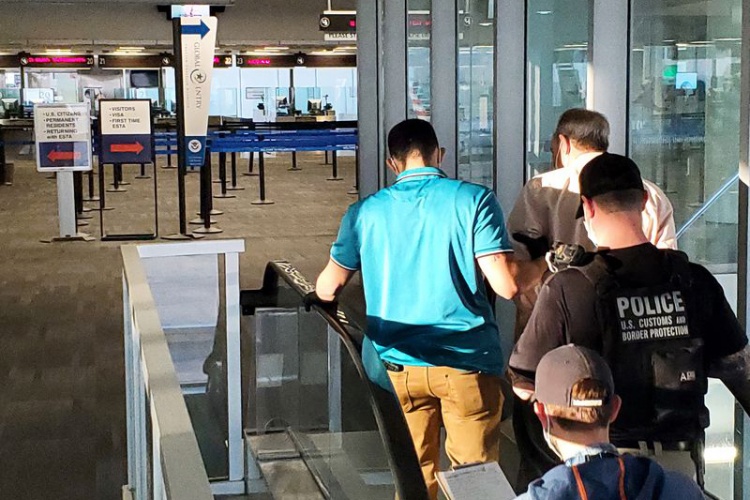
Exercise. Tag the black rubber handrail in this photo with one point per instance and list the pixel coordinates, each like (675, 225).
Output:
(392, 427)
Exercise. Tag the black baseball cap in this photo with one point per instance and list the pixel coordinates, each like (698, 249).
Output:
(606, 173)
(561, 369)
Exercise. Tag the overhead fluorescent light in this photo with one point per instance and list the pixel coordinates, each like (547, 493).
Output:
(488, 23)
(544, 12)
(274, 47)
(58, 51)
(132, 49)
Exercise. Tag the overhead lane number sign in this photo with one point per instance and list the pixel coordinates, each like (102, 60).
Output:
(63, 137)
(198, 40)
(126, 131)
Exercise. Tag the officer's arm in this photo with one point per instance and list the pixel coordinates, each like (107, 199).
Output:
(332, 280)
(734, 371)
(508, 275)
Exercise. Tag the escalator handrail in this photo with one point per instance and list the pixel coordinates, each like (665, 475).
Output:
(707, 205)
(392, 426)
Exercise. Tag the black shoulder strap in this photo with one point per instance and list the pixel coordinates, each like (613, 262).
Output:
(598, 272)
(679, 268)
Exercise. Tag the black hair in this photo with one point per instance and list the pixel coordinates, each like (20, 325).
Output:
(587, 128)
(410, 136)
(626, 200)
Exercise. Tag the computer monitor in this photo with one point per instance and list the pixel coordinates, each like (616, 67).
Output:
(686, 81)
(314, 106)
(10, 104)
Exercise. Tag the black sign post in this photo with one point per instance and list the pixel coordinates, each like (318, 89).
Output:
(181, 167)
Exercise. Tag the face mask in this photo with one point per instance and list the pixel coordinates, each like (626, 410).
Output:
(590, 232)
(548, 438)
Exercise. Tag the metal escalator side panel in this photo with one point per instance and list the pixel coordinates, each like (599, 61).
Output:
(391, 423)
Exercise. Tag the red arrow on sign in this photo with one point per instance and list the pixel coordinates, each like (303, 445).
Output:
(64, 155)
(136, 148)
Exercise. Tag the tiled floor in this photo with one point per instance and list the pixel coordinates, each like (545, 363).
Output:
(62, 404)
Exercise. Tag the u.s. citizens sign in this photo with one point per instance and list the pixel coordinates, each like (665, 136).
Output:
(63, 137)
(198, 39)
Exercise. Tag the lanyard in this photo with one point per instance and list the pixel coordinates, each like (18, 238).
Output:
(582, 487)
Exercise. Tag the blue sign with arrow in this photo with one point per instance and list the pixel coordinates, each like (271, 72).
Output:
(196, 29)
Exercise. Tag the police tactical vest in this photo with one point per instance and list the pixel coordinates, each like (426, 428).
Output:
(653, 346)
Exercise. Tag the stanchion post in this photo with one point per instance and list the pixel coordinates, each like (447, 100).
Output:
(262, 182)
(78, 199)
(142, 174)
(334, 168)
(355, 190)
(294, 162)
(250, 165)
(206, 198)
(234, 186)
(223, 177)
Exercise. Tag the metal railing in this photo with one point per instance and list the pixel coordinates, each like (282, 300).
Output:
(164, 460)
(707, 205)
(163, 456)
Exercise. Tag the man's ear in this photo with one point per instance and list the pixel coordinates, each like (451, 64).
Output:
(539, 411)
(392, 165)
(564, 144)
(645, 200)
(616, 406)
(589, 208)
(441, 156)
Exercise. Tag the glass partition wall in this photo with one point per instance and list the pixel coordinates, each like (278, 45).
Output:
(557, 44)
(685, 114)
(475, 86)
(665, 73)
(684, 134)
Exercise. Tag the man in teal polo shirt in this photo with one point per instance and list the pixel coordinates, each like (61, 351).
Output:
(424, 246)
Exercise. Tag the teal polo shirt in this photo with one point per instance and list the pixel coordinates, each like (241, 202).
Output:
(416, 244)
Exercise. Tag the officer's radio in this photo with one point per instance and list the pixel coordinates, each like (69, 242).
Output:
(564, 255)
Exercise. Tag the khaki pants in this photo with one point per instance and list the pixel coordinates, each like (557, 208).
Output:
(467, 404)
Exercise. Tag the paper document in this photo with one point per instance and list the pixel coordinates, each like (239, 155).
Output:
(472, 482)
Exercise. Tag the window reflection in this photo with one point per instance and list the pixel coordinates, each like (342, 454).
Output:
(684, 116)
(557, 48)
(475, 86)
(418, 29)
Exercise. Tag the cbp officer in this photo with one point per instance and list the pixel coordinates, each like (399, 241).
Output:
(545, 213)
(662, 323)
(424, 246)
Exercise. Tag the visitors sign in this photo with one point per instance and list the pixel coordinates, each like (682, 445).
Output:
(63, 137)
(198, 39)
(126, 131)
